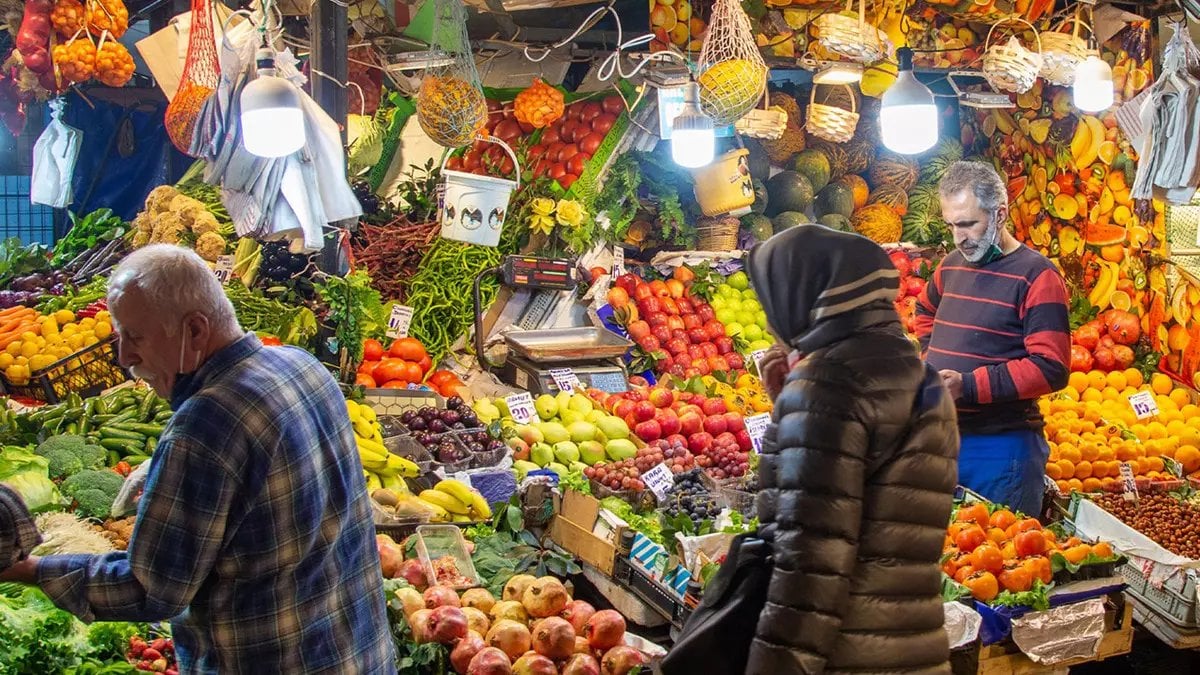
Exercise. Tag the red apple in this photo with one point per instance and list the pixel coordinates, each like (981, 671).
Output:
(690, 423)
(669, 422)
(677, 346)
(735, 361)
(656, 320)
(685, 306)
(691, 321)
(680, 334)
(623, 407)
(700, 442)
(669, 306)
(743, 440)
(648, 430)
(661, 397)
(734, 422)
(710, 350)
(705, 312)
(715, 425)
(650, 343)
(638, 329)
(643, 411)
(724, 344)
(675, 322)
(649, 306)
(725, 438)
(696, 352)
(699, 335)
(714, 406)
(701, 366)
(628, 282)
(677, 439)
(715, 329)
(661, 332)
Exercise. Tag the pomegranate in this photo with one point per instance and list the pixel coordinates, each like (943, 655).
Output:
(465, 650)
(477, 620)
(411, 599)
(534, 664)
(479, 598)
(545, 597)
(489, 661)
(419, 623)
(509, 609)
(605, 629)
(620, 660)
(440, 596)
(515, 588)
(511, 637)
(577, 612)
(414, 573)
(446, 625)
(1124, 327)
(554, 637)
(582, 646)
(390, 556)
(581, 664)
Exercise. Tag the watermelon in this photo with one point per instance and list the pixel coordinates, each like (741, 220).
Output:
(758, 226)
(813, 165)
(836, 221)
(760, 197)
(788, 219)
(758, 162)
(788, 191)
(835, 198)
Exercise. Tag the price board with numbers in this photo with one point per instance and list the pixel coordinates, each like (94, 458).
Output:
(756, 426)
(1128, 482)
(224, 268)
(1143, 405)
(520, 406)
(618, 266)
(399, 321)
(565, 379)
(659, 480)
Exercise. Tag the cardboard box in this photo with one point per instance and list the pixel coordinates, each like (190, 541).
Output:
(587, 531)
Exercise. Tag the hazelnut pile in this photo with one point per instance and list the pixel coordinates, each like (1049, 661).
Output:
(1167, 521)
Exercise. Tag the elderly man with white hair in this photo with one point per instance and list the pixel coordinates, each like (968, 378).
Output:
(254, 533)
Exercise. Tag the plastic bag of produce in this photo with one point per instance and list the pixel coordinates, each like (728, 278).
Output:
(54, 156)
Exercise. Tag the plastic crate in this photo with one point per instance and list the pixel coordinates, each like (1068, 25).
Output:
(480, 460)
(1176, 600)
(409, 448)
(438, 541)
(1158, 626)
(396, 401)
(87, 373)
(651, 592)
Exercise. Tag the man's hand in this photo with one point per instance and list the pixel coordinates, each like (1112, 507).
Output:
(23, 572)
(773, 369)
(953, 381)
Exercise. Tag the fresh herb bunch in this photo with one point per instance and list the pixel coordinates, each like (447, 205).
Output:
(18, 260)
(97, 227)
(418, 192)
(354, 308)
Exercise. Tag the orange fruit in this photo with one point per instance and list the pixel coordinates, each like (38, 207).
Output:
(1053, 471)
(1083, 469)
(1161, 384)
(1091, 485)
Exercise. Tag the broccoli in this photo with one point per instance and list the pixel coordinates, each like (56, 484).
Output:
(94, 491)
(68, 455)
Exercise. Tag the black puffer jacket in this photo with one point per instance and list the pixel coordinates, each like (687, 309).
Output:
(857, 471)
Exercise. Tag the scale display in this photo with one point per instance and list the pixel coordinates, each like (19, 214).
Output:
(531, 272)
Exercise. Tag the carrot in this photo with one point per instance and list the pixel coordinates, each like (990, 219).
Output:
(14, 311)
(8, 337)
(13, 323)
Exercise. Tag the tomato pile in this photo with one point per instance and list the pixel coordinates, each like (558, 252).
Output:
(559, 152)
(405, 362)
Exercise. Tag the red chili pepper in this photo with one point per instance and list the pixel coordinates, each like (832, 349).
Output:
(123, 468)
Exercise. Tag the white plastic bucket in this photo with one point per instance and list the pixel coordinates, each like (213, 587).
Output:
(472, 207)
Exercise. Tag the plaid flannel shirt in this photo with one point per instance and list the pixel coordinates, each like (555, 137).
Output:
(254, 533)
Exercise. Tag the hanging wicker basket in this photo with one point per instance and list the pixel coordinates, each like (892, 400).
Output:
(762, 123)
(851, 37)
(830, 122)
(717, 234)
(1063, 52)
(1010, 66)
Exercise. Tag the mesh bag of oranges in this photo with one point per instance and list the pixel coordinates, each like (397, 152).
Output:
(76, 59)
(107, 15)
(114, 64)
(451, 108)
(733, 75)
(67, 17)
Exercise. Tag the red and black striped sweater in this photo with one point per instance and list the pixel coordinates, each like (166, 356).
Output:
(1004, 326)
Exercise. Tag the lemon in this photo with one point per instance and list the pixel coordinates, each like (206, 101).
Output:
(103, 329)
(29, 349)
(41, 362)
(13, 348)
(90, 340)
(16, 374)
(64, 316)
(28, 336)
(87, 323)
(70, 329)
(103, 315)
(75, 341)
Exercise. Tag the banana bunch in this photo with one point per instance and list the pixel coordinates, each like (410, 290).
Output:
(381, 468)
(1106, 285)
(246, 260)
(453, 501)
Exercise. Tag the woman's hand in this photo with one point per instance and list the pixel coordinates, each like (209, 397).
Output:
(773, 369)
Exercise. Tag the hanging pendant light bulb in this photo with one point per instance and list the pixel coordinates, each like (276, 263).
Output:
(272, 122)
(1093, 88)
(908, 117)
(692, 137)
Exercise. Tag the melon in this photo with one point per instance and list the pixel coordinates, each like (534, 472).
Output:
(877, 222)
(757, 162)
(895, 171)
(891, 196)
(1101, 234)
(839, 158)
(788, 191)
(859, 154)
(835, 198)
(836, 221)
(760, 197)
(858, 186)
(758, 226)
(813, 164)
(947, 151)
(788, 219)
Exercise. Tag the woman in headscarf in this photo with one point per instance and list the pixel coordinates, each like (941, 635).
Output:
(858, 467)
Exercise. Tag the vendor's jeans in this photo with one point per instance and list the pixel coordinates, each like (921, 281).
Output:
(1005, 468)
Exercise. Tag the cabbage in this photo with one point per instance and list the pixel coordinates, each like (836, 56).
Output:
(28, 474)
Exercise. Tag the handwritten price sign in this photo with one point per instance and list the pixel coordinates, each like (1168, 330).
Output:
(660, 480)
(1143, 405)
(520, 406)
(224, 269)
(565, 379)
(756, 426)
(399, 321)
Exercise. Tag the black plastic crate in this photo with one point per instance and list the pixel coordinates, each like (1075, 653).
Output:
(87, 373)
(651, 592)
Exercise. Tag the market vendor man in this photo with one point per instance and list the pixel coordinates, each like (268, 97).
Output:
(993, 321)
(254, 532)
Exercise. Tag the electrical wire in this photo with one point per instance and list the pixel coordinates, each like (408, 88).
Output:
(612, 63)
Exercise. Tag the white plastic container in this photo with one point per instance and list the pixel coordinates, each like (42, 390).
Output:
(472, 207)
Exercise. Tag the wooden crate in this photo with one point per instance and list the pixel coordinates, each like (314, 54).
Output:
(1006, 659)
(574, 528)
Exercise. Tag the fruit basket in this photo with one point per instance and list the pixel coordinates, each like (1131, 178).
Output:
(442, 551)
(87, 373)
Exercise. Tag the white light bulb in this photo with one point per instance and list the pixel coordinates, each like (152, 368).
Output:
(908, 117)
(1093, 88)
(693, 142)
(272, 121)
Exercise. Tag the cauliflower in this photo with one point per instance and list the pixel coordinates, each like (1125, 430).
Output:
(141, 239)
(68, 455)
(204, 222)
(144, 222)
(167, 229)
(181, 203)
(93, 491)
(210, 245)
(160, 198)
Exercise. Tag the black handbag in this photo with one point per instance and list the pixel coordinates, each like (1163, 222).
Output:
(717, 636)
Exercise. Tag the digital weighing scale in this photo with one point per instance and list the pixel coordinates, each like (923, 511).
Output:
(593, 355)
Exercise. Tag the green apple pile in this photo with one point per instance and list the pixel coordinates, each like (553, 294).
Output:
(570, 434)
(737, 306)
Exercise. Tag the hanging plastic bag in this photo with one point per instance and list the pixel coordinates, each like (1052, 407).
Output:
(201, 73)
(450, 104)
(733, 75)
(54, 157)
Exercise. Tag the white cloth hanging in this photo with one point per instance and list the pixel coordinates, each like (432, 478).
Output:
(54, 156)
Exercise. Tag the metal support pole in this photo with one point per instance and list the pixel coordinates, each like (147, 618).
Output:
(328, 33)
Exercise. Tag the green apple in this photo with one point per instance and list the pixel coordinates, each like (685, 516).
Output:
(760, 344)
(554, 432)
(739, 281)
(542, 454)
(591, 452)
(620, 449)
(752, 332)
(746, 318)
(546, 407)
(566, 452)
(732, 329)
(614, 428)
(726, 316)
(582, 431)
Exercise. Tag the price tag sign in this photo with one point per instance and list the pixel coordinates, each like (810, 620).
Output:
(756, 426)
(399, 321)
(1143, 405)
(520, 406)
(224, 270)
(757, 356)
(618, 266)
(1128, 484)
(660, 480)
(565, 379)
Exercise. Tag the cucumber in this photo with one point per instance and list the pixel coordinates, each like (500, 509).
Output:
(120, 445)
(163, 417)
(137, 428)
(113, 457)
(145, 410)
(110, 432)
(134, 460)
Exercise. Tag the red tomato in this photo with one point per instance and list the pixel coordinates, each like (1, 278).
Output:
(395, 384)
(409, 349)
(573, 111)
(569, 131)
(506, 166)
(368, 367)
(556, 172)
(535, 152)
(553, 149)
(613, 105)
(575, 164)
(472, 160)
(389, 369)
(567, 152)
(372, 350)
(591, 143)
(526, 127)
(413, 372)
(426, 364)
(454, 164)
(364, 380)
(507, 130)
(603, 123)
(567, 180)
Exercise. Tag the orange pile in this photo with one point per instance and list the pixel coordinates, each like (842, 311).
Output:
(1092, 429)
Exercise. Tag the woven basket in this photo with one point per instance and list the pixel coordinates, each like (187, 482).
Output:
(1010, 66)
(762, 123)
(851, 37)
(830, 122)
(1063, 52)
(717, 234)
